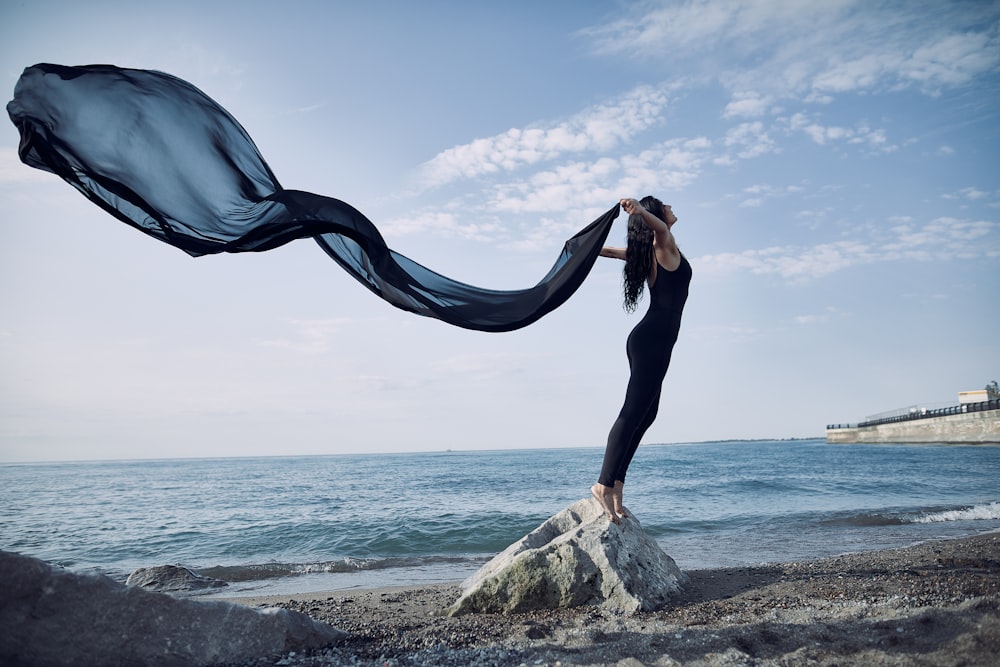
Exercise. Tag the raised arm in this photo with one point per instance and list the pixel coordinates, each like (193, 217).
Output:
(664, 244)
(614, 253)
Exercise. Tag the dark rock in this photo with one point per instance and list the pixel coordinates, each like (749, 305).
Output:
(50, 616)
(171, 579)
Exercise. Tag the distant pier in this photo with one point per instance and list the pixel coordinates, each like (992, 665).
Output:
(967, 423)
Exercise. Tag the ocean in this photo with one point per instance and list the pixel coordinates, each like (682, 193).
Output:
(281, 525)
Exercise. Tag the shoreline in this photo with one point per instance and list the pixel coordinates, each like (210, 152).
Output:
(934, 603)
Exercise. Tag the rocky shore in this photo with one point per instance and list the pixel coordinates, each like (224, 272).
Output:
(936, 604)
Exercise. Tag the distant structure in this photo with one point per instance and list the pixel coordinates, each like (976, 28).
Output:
(974, 420)
(977, 396)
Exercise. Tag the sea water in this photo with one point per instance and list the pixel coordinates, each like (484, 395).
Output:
(296, 524)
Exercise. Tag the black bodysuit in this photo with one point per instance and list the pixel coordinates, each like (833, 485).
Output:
(649, 347)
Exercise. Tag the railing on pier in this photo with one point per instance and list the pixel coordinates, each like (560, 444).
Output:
(992, 404)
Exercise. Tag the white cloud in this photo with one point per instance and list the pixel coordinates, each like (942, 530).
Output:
(750, 140)
(599, 128)
(747, 104)
(559, 173)
(810, 50)
(945, 238)
(973, 193)
(421, 222)
(862, 134)
(573, 188)
(858, 74)
(953, 59)
(941, 239)
(560, 199)
(445, 223)
(815, 318)
(793, 263)
(756, 195)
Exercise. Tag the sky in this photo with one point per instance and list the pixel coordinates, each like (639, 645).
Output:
(833, 165)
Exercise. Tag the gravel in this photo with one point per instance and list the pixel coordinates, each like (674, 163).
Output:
(937, 604)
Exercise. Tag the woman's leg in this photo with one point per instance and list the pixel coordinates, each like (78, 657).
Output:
(619, 488)
(648, 360)
(633, 445)
(634, 418)
(642, 388)
(642, 401)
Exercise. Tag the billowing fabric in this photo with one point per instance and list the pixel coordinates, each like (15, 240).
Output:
(158, 154)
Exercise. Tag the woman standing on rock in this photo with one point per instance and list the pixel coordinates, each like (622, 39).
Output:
(651, 258)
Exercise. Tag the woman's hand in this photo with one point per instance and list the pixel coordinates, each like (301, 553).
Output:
(631, 206)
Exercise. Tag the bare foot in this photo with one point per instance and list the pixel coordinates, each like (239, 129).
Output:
(604, 495)
(617, 496)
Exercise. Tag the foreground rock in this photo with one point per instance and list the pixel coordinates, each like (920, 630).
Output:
(50, 616)
(575, 558)
(171, 579)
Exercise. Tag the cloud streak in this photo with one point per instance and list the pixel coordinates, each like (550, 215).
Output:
(534, 184)
(862, 134)
(808, 50)
(558, 200)
(599, 128)
(941, 239)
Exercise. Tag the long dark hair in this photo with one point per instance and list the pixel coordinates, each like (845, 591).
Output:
(639, 253)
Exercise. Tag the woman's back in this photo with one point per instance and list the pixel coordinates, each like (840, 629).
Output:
(670, 289)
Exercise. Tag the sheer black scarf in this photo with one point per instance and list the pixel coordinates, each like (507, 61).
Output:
(160, 155)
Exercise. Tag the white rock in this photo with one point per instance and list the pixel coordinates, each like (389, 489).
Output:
(576, 557)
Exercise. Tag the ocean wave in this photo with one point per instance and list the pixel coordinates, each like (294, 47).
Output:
(258, 572)
(864, 519)
(987, 512)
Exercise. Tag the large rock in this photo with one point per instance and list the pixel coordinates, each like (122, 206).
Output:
(171, 579)
(575, 558)
(49, 616)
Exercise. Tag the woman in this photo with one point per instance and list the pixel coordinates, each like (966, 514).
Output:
(651, 258)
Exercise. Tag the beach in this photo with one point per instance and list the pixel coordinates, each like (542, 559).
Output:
(271, 526)
(936, 603)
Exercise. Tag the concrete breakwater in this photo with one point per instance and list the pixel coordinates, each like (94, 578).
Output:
(975, 423)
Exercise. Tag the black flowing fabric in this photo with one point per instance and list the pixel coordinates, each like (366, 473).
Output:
(160, 155)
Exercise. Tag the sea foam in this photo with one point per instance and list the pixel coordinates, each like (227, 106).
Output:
(976, 513)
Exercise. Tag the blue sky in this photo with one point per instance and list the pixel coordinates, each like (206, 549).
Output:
(833, 165)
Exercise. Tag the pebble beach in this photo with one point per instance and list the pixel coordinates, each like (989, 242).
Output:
(933, 604)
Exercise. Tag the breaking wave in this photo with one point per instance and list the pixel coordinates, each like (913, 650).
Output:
(987, 512)
(974, 513)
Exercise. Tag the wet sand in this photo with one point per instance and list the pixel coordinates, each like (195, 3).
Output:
(935, 604)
